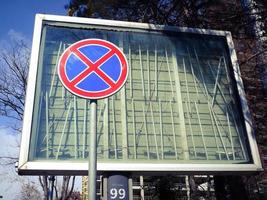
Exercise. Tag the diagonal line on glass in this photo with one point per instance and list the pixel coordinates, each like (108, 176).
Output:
(93, 67)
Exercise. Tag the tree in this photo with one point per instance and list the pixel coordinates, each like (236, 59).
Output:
(170, 12)
(14, 65)
(64, 190)
(29, 192)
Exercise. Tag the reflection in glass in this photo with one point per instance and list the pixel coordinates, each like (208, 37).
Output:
(179, 103)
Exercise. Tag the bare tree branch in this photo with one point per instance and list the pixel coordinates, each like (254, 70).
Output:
(14, 63)
(71, 189)
(253, 56)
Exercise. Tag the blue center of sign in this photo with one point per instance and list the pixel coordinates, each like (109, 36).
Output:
(94, 52)
(93, 82)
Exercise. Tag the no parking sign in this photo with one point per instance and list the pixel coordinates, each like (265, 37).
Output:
(93, 68)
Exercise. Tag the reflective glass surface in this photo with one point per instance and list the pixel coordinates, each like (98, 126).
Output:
(179, 104)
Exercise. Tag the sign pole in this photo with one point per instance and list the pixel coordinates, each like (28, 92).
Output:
(92, 152)
(93, 69)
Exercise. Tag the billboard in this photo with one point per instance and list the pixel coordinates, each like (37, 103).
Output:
(182, 109)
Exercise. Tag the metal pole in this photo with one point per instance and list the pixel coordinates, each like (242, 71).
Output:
(92, 152)
(51, 192)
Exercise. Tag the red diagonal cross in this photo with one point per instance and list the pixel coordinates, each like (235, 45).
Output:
(93, 67)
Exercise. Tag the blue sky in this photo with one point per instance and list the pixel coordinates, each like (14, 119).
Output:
(17, 18)
(18, 15)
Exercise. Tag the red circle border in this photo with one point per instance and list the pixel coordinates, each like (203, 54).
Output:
(86, 94)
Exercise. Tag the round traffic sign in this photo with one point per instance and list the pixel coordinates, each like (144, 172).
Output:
(93, 68)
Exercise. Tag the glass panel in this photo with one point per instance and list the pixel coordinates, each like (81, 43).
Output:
(179, 104)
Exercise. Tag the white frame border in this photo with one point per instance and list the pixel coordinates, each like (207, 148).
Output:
(26, 167)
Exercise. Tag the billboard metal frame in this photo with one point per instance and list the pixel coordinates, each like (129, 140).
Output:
(27, 167)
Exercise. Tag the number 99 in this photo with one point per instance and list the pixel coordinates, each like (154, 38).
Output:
(114, 193)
